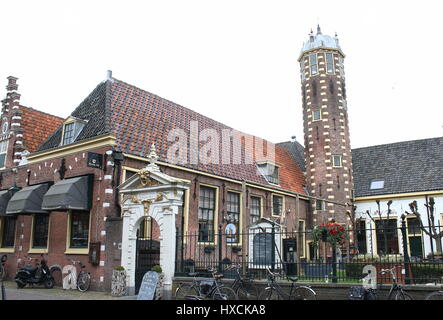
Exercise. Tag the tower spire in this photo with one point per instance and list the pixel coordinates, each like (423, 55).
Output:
(318, 29)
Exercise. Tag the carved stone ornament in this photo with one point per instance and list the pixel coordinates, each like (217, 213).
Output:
(134, 199)
(159, 197)
(146, 205)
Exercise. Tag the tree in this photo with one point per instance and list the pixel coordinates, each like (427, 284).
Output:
(431, 230)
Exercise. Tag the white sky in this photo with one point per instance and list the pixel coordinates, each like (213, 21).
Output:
(234, 61)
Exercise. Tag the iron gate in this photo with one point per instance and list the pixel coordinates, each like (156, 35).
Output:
(148, 255)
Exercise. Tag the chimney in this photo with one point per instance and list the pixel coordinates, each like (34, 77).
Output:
(109, 75)
(12, 83)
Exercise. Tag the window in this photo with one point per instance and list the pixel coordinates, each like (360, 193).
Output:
(329, 63)
(313, 64)
(301, 228)
(414, 226)
(269, 171)
(206, 211)
(255, 212)
(377, 184)
(71, 131)
(277, 205)
(319, 204)
(302, 69)
(8, 232)
(316, 115)
(5, 127)
(336, 161)
(342, 67)
(145, 229)
(40, 231)
(361, 237)
(79, 229)
(387, 236)
(3, 150)
(233, 211)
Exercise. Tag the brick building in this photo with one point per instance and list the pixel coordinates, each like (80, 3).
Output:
(65, 200)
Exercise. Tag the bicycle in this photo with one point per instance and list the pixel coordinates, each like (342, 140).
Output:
(83, 278)
(205, 289)
(243, 287)
(274, 291)
(400, 294)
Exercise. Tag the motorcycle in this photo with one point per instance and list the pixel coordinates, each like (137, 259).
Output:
(39, 274)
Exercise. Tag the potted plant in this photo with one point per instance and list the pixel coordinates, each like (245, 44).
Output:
(159, 287)
(118, 285)
(330, 232)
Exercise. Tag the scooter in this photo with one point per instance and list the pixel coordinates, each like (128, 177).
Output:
(35, 275)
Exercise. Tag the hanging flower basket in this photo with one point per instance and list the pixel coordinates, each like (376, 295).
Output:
(330, 232)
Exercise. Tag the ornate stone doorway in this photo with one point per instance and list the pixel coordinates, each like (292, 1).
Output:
(150, 193)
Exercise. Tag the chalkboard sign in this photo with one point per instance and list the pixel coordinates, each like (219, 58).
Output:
(262, 250)
(147, 288)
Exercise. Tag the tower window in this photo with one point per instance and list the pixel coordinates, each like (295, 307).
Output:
(3, 150)
(337, 161)
(316, 115)
(313, 65)
(329, 63)
(319, 204)
(342, 68)
(302, 70)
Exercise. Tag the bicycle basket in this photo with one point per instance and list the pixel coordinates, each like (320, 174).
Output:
(356, 293)
(206, 285)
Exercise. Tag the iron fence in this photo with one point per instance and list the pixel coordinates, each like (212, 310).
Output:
(410, 250)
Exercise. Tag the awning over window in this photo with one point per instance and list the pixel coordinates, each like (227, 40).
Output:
(5, 196)
(28, 200)
(67, 194)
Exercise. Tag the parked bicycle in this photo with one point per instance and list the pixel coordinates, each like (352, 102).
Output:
(83, 278)
(274, 291)
(396, 291)
(205, 289)
(244, 287)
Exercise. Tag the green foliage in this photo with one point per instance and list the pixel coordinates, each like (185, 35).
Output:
(334, 233)
(425, 273)
(119, 268)
(157, 269)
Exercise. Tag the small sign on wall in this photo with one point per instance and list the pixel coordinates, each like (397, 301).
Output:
(95, 160)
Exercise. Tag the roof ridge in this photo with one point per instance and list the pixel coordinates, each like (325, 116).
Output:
(399, 142)
(49, 114)
(195, 112)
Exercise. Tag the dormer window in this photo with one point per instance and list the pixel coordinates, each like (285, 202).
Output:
(71, 130)
(269, 171)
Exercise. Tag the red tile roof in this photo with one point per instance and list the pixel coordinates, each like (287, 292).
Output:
(37, 126)
(139, 118)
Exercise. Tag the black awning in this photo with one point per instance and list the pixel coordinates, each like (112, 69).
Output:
(67, 194)
(28, 200)
(5, 196)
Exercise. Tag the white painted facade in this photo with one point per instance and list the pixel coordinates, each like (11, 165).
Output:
(399, 205)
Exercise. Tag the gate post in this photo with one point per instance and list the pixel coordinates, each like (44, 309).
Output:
(220, 248)
(405, 249)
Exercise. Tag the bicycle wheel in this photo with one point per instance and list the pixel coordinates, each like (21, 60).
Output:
(183, 290)
(224, 293)
(303, 293)
(269, 294)
(438, 295)
(247, 291)
(401, 295)
(83, 281)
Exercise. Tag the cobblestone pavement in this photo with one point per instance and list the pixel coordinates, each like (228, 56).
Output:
(56, 293)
